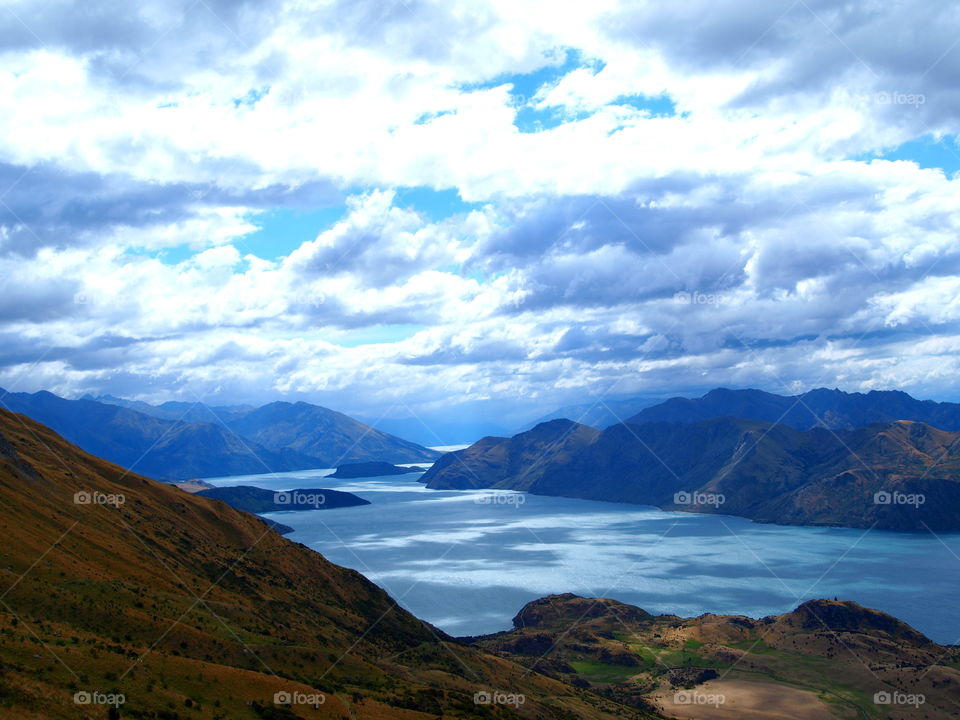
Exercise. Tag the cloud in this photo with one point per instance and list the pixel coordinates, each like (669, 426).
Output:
(698, 207)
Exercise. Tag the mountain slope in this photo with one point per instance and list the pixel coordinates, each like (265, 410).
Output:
(901, 476)
(821, 407)
(113, 584)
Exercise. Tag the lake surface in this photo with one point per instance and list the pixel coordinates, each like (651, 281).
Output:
(467, 561)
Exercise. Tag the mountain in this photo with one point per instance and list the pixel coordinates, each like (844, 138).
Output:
(163, 449)
(173, 410)
(834, 409)
(116, 587)
(168, 449)
(600, 413)
(432, 432)
(258, 500)
(825, 659)
(372, 469)
(516, 463)
(330, 437)
(899, 476)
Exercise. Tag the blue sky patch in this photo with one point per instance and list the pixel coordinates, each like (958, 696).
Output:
(435, 204)
(283, 230)
(926, 151)
(252, 97)
(173, 255)
(656, 106)
(377, 334)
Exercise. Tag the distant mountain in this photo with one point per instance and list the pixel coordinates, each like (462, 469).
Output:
(372, 469)
(173, 410)
(178, 450)
(899, 476)
(118, 586)
(599, 414)
(162, 449)
(821, 407)
(330, 437)
(258, 500)
(430, 432)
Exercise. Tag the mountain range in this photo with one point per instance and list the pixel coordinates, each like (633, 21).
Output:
(177, 410)
(204, 441)
(599, 413)
(901, 475)
(822, 407)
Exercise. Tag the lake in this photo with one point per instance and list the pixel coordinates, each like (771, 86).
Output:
(467, 561)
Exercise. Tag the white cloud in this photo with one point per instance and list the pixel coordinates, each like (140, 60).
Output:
(137, 129)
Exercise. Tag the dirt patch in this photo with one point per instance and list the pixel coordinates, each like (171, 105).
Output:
(743, 700)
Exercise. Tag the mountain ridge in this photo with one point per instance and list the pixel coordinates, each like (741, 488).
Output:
(834, 409)
(174, 449)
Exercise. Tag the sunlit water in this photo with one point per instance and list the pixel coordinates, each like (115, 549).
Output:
(468, 566)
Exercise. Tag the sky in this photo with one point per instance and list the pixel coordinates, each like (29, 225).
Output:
(448, 209)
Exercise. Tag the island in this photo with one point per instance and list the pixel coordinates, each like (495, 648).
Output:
(260, 500)
(372, 469)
